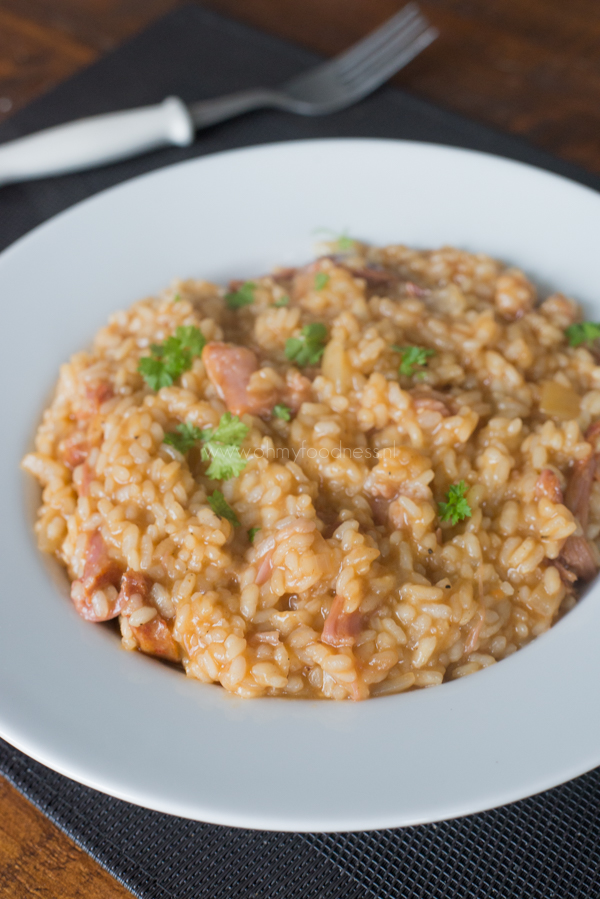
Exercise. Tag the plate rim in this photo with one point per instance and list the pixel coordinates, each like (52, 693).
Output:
(254, 820)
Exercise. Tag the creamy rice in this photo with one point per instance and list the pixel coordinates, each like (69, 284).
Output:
(326, 568)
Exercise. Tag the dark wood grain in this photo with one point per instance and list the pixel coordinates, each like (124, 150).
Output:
(531, 67)
(527, 66)
(38, 861)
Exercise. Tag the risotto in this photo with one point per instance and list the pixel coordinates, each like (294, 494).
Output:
(367, 475)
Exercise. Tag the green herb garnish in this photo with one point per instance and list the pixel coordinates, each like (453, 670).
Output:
(222, 448)
(221, 507)
(412, 357)
(244, 296)
(184, 438)
(345, 244)
(282, 301)
(168, 360)
(321, 280)
(177, 298)
(309, 347)
(282, 411)
(582, 332)
(456, 508)
(252, 534)
(341, 242)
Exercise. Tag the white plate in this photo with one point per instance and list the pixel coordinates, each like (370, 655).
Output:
(129, 726)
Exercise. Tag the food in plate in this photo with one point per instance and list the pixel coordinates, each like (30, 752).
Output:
(373, 473)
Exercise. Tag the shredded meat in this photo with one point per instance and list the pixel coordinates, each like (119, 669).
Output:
(577, 494)
(427, 399)
(100, 571)
(95, 395)
(82, 478)
(414, 290)
(75, 449)
(577, 554)
(473, 641)
(341, 628)
(230, 369)
(567, 577)
(373, 276)
(593, 433)
(578, 557)
(380, 509)
(283, 274)
(548, 485)
(265, 569)
(430, 404)
(135, 588)
(154, 637)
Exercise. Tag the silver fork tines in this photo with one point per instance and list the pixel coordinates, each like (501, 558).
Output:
(363, 67)
(338, 83)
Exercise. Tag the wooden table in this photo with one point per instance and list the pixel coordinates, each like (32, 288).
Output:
(527, 66)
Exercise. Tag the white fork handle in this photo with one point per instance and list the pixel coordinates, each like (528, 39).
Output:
(96, 141)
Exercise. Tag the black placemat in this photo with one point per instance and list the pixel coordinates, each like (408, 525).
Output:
(547, 846)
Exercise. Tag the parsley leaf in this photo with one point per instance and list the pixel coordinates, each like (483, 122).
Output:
(177, 298)
(252, 534)
(282, 411)
(168, 360)
(457, 507)
(221, 448)
(341, 242)
(244, 296)
(185, 436)
(309, 347)
(412, 357)
(321, 280)
(225, 461)
(282, 301)
(230, 430)
(221, 507)
(191, 339)
(154, 373)
(582, 332)
(345, 244)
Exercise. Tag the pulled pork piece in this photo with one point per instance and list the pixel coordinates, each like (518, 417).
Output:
(373, 276)
(567, 577)
(577, 494)
(91, 596)
(265, 569)
(427, 400)
(99, 393)
(152, 633)
(473, 641)
(230, 368)
(548, 485)
(577, 554)
(593, 433)
(414, 290)
(74, 449)
(341, 628)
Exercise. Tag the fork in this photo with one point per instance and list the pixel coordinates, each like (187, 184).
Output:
(326, 88)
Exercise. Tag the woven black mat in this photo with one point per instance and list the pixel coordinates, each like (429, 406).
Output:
(548, 846)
